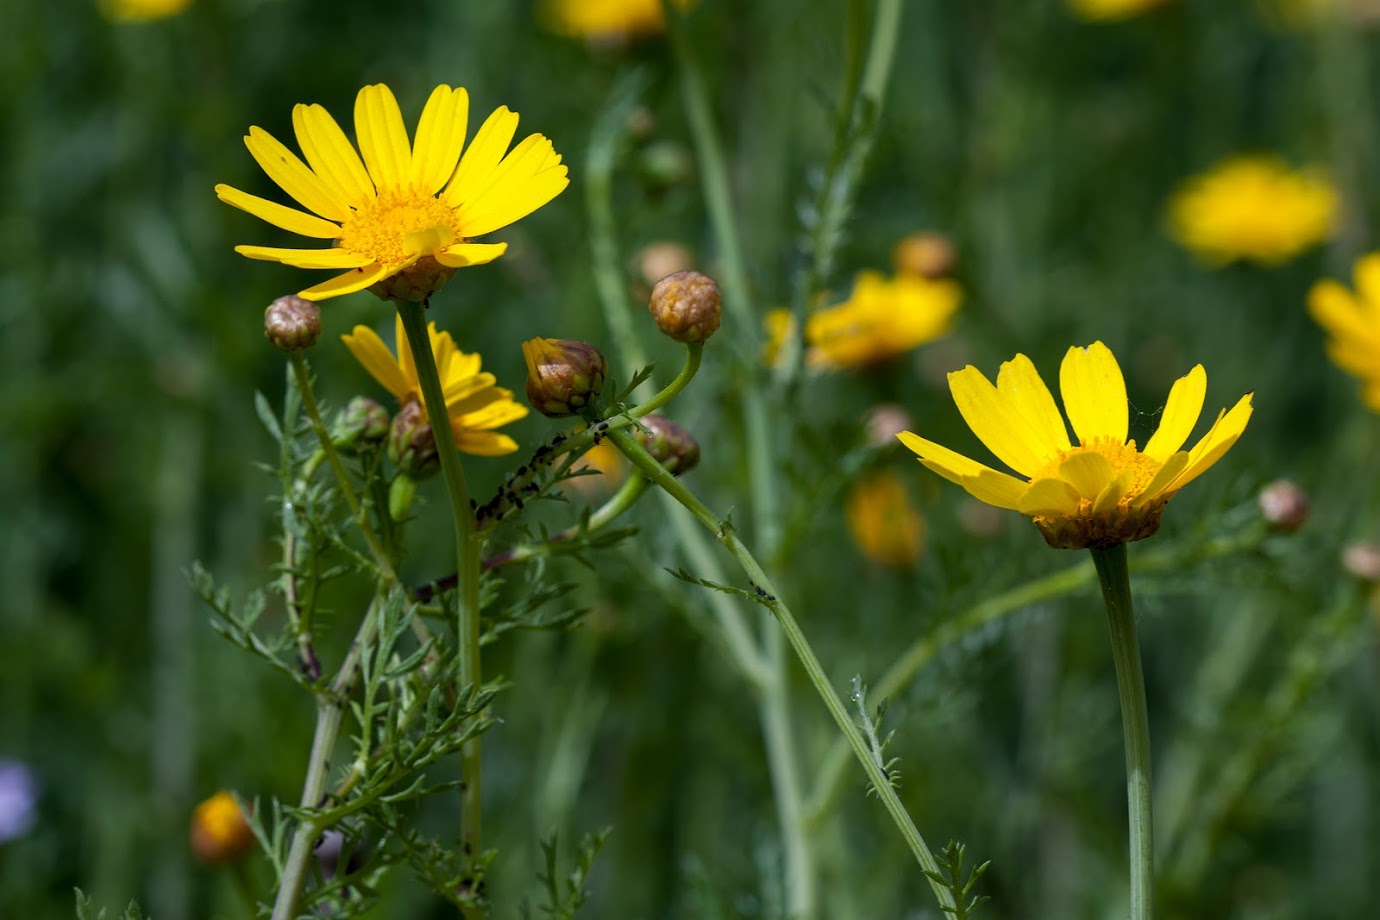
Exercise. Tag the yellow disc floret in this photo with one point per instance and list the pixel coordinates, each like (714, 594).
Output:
(398, 227)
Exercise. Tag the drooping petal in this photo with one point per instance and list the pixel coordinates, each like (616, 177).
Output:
(527, 178)
(1087, 472)
(348, 283)
(982, 482)
(365, 344)
(998, 424)
(440, 138)
(1094, 393)
(474, 174)
(1049, 497)
(1114, 492)
(292, 175)
(305, 258)
(331, 154)
(290, 219)
(1022, 387)
(1216, 442)
(1181, 413)
(383, 137)
(461, 255)
(1162, 480)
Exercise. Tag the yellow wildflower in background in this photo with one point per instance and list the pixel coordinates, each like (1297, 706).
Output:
(606, 20)
(475, 405)
(219, 831)
(141, 10)
(601, 468)
(1253, 207)
(403, 219)
(1353, 323)
(881, 319)
(885, 525)
(1109, 10)
(1102, 492)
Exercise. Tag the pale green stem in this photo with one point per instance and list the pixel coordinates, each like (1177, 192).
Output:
(769, 597)
(1135, 723)
(467, 551)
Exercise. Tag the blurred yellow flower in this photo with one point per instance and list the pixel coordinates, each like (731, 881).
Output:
(602, 469)
(1108, 10)
(402, 220)
(141, 10)
(885, 525)
(220, 832)
(606, 20)
(1253, 207)
(881, 319)
(475, 405)
(1103, 492)
(1353, 323)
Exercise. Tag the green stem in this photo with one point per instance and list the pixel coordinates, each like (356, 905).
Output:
(769, 597)
(467, 552)
(626, 496)
(1135, 723)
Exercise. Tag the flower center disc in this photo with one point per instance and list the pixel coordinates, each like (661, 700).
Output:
(1120, 457)
(396, 227)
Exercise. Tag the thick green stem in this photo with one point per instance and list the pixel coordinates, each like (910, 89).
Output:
(1135, 723)
(467, 552)
(767, 593)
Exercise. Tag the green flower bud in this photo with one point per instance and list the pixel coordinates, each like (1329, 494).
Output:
(687, 306)
(562, 376)
(292, 323)
(412, 444)
(670, 444)
(362, 422)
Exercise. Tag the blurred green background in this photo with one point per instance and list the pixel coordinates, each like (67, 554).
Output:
(1044, 146)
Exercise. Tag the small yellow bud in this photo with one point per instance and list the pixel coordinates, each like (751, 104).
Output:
(220, 832)
(668, 443)
(927, 254)
(687, 306)
(562, 376)
(412, 443)
(1283, 505)
(292, 323)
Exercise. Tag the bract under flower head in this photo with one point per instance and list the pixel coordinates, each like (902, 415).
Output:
(402, 219)
(474, 403)
(1353, 323)
(1103, 490)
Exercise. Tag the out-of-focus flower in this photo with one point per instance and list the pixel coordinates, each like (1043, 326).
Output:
(220, 832)
(602, 470)
(884, 523)
(657, 260)
(1283, 505)
(1109, 10)
(884, 422)
(670, 444)
(927, 254)
(1102, 492)
(403, 219)
(1362, 560)
(474, 403)
(1302, 13)
(18, 799)
(141, 10)
(1253, 207)
(1352, 322)
(607, 21)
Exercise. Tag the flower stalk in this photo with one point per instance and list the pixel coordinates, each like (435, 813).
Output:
(1135, 722)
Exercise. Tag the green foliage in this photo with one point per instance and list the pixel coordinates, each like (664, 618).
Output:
(952, 878)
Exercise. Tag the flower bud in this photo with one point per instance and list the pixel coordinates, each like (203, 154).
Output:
(687, 306)
(1283, 505)
(562, 376)
(927, 254)
(668, 443)
(292, 323)
(220, 832)
(415, 283)
(362, 422)
(412, 444)
(884, 422)
(1362, 560)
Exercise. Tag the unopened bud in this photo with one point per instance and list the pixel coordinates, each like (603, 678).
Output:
(562, 376)
(927, 254)
(687, 306)
(657, 260)
(220, 832)
(292, 323)
(884, 422)
(412, 443)
(362, 422)
(1283, 505)
(668, 443)
(1362, 560)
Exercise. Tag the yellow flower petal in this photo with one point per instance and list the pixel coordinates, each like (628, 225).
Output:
(1049, 497)
(999, 424)
(472, 177)
(348, 283)
(1162, 480)
(462, 255)
(1181, 413)
(382, 137)
(1094, 393)
(1113, 492)
(440, 138)
(466, 394)
(1216, 442)
(1087, 472)
(1022, 387)
(528, 178)
(292, 175)
(1367, 272)
(290, 219)
(331, 154)
(365, 344)
(982, 482)
(1336, 310)
(305, 258)
(500, 412)
(484, 443)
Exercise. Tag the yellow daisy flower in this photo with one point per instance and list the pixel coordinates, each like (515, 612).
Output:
(141, 10)
(404, 218)
(1105, 490)
(606, 20)
(883, 523)
(1253, 207)
(1353, 322)
(1109, 10)
(219, 831)
(475, 405)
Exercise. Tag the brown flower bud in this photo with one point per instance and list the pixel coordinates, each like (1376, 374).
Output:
(1283, 505)
(292, 323)
(219, 831)
(668, 443)
(412, 443)
(1362, 560)
(413, 284)
(687, 306)
(362, 422)
(927, 254)
(562, 376)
